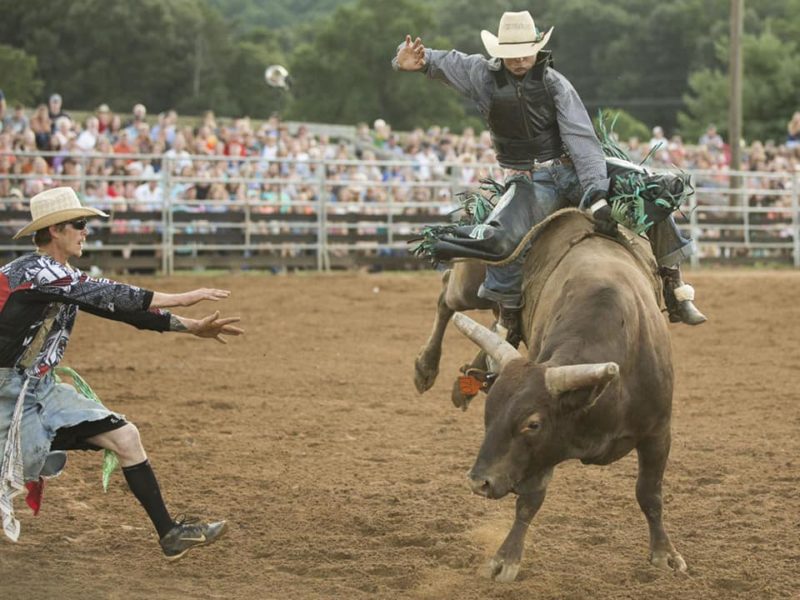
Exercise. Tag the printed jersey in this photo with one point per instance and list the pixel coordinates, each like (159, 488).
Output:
(39, 301)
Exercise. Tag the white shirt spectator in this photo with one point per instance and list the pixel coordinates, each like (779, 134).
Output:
(149, 196)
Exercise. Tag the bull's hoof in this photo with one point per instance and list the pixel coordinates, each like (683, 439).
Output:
(669, 560)
(459, 398)
(499, 569)
(424, 375)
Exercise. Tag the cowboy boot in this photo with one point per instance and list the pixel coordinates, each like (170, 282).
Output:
(494, 240)
(679, 298)
(511, 323)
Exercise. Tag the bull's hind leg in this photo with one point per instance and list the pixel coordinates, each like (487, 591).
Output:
(504, 566)
(426, 365)
(653, 453)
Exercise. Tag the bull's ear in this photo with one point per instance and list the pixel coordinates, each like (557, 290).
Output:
(588, 380)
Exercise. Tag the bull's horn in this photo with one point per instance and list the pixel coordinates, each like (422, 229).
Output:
(500, 350)
(573, 377)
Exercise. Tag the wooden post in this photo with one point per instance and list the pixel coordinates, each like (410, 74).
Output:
(735, 116)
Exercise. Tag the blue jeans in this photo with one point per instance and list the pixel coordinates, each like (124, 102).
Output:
(555, 187)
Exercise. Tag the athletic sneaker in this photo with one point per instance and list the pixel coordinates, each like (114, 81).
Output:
(188, 533)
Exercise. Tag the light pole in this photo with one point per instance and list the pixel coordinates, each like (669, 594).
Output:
(735, 115)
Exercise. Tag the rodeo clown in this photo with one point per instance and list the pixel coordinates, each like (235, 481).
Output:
(546, 143)
(40, 418)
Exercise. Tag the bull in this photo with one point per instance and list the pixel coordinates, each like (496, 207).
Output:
(597, 381)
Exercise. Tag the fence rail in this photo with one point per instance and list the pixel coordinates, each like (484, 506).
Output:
(324, 214)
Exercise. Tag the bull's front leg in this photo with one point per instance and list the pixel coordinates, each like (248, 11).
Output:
(653, 454)
(459, 396)
(504, 566)
(426, 365)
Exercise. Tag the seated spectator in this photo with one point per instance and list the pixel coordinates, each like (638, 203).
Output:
(63, 131)
(71, 172)
(659, 146)
(178, 155)
(26, 142)
(711, 139)
(139, 117)
(42, 127)
(87, 139)
(677, 152)
(39, 179)
(103, 114)
(793, 131)
(114, 129)
(149, 196)
(17, 122)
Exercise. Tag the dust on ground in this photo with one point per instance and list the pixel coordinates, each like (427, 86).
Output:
(340, 481)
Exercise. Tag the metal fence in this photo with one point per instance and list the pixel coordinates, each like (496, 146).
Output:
(324, 214)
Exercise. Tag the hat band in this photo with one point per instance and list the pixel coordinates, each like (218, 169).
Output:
(538, 38)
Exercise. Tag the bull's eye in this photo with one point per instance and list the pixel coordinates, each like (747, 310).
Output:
(533, 426)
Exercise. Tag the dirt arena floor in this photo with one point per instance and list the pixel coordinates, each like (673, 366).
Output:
(340, 481)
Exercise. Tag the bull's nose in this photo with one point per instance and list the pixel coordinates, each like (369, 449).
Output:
(479, 484)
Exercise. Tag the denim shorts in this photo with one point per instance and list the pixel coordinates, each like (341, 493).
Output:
(48, 406)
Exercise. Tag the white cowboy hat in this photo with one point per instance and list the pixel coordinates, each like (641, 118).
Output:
(516, 37)
(277, 76)
(55, 206)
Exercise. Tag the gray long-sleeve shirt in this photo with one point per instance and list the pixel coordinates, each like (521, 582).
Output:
(471, 76)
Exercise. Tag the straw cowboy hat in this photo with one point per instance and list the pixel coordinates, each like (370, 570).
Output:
(516, 37)
(55, 206)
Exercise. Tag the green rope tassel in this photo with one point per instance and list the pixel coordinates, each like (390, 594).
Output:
(476, 208)
(634, 191)
(110, 460)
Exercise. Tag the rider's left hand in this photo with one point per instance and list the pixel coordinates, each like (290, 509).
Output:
(603, 222)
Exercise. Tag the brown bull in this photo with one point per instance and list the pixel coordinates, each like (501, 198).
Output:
(596, 384)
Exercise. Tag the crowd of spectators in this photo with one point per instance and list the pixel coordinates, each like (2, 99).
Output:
(239, 160)
(132, 161)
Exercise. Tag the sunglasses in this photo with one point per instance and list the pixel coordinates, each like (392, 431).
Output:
(79, 224)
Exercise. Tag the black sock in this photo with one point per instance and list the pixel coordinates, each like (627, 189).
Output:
(144, 486)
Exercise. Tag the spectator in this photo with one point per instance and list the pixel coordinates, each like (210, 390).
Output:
(16, 123)
(114, 128)
(123, 145)
(793, 131)
(180, 158)
(39, 179)
(712, 140)
(87, 139)
(42, 127)
(104, 117)
(149, 196)
(63, 131)
(2, 109)
(55, 110)
(139, 117)
(659, 147)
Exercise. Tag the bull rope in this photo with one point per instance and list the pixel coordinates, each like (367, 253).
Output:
(539, 281)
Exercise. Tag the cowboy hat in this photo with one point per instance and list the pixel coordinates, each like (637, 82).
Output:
(277, 76)
(516, 37)
(55, 206)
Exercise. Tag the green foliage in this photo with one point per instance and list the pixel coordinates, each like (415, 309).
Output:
(648, 57)
(769, 90)
(343, 73)
(246, 15)
(18, 82)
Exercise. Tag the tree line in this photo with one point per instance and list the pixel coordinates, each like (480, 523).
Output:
(659, 62)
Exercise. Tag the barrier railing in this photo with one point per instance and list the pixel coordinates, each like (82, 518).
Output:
(324, 214)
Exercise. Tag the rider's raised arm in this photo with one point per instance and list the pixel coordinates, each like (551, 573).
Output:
(468, 74)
